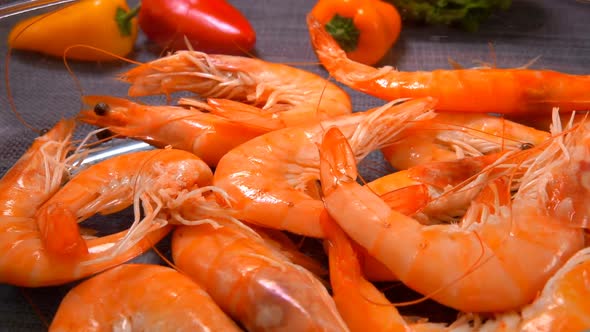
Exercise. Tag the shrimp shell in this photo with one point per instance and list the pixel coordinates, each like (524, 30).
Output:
(253, 282)
(272, 178)
(36, 176)
(155, 178)
(139, 297)
(505, 91)
(272, 86)
(495, 260)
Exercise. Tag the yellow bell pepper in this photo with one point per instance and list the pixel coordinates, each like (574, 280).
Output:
(107, 25)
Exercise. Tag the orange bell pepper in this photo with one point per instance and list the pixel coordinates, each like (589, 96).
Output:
(104, 24)
(365, 29)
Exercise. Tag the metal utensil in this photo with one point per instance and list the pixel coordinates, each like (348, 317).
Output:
(21, 7)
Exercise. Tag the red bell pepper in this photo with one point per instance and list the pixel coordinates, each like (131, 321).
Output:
(212, 26)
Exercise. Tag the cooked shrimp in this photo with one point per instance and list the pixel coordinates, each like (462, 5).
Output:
(157, 178)
(495, 259)
(432, 194)
(273, 87)
(250, 280)
(140, 297)
(459, 90)
(272, 178)
(361, 304)
(206, 135)
(25, 261)
(31, 181)
(450, 136)
(38, 173)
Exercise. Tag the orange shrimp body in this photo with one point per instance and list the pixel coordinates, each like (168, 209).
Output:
(461, 90)
(450, 136)
(361, 304)
(155, 177)
(253, 282)
(272, 178)
(564, 304)
(206, 135)
(494, 260)
(25, 261)
(139, 297)
(426, 193)
(31, 181)
(37, 174)
(271, 86)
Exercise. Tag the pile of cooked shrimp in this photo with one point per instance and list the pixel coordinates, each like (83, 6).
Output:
(484, 214)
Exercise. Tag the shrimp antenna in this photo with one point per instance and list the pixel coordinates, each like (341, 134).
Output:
(99, 50)
(530, 62)
(35, 307)
(479, 262)
(493, 54)
(9, 94)
(326, 81)
(166, 259)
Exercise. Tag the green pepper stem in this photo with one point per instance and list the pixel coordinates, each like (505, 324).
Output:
(123, 19)
(344, 32)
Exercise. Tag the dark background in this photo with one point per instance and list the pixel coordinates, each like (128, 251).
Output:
(557, 31)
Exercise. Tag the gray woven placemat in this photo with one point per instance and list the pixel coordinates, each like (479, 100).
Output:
(557, 31)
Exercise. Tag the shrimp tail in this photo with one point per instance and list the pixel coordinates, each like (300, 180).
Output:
(338, 161)
(398, 199)
(59, 232)
(362, 306)
(334, 58)
(239, 112)
(265, 119)
(356, 298)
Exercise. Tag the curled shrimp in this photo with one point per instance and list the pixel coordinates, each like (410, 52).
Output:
(139, 297)
(159, 179)
(431, 193)
(273, 87)
(207, 135)
(272, 178)
(450, 136)
(252, 281)
(35, 177)
(361, 304)
(460, 90)
(496, 259)
(38, 173)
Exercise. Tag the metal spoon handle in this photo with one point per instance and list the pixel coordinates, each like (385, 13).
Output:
(21, 7)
